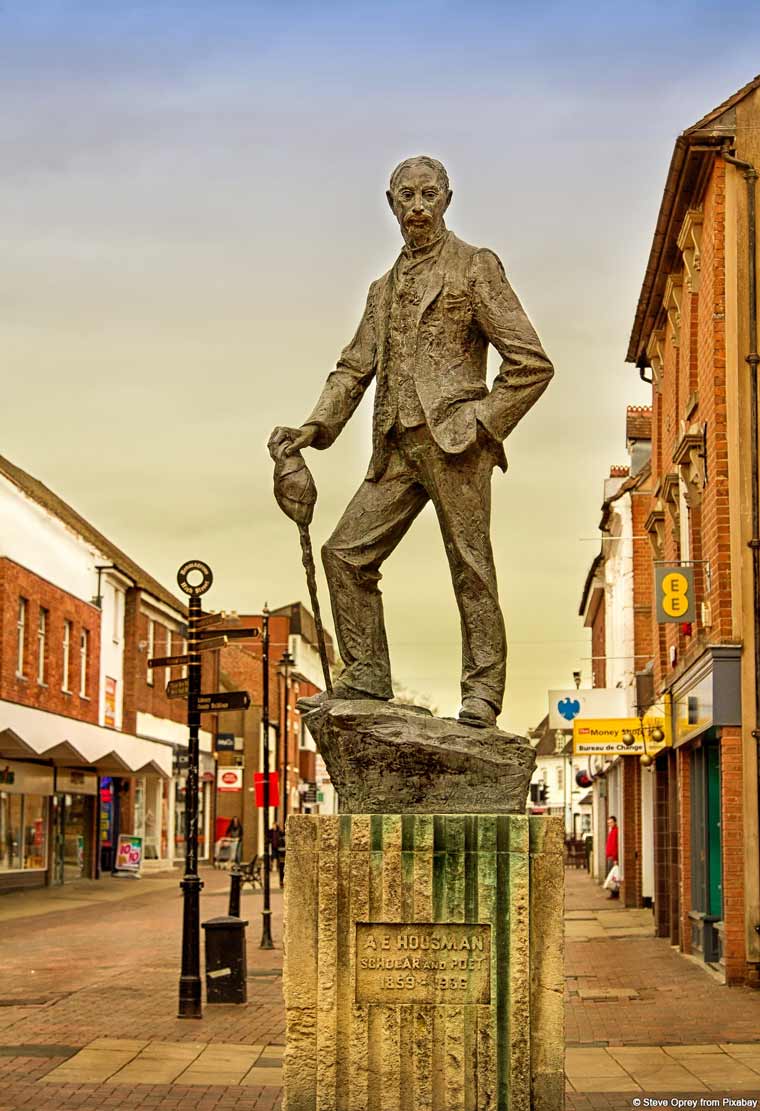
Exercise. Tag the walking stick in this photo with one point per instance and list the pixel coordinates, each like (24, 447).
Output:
(296, 495)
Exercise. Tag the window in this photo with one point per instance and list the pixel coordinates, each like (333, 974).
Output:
(42, 645)
(560, 779)
(21, 627)
(168, 671)
(23, 842)
(84, 651)
(184, 653)
(67, 635)
(116, 602)
(151, 650)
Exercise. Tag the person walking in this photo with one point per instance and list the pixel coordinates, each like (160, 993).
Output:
(235, 834)
(611, 852)
(278, 850)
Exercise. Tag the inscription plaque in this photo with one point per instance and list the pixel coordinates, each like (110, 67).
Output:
(423, 962)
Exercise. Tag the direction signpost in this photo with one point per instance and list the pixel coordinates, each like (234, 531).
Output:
(195, 578)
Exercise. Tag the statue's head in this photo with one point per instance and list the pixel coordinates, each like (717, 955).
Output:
(419, 195)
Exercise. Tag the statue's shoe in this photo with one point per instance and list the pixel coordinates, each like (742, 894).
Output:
(477, 712)
(339, 692)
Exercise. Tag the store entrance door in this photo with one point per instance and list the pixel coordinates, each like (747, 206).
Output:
(71, 822)
(706, 878)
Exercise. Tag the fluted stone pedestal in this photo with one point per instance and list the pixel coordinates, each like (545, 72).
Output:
(424, 963)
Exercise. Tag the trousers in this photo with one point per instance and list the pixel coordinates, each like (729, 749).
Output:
(377, 518)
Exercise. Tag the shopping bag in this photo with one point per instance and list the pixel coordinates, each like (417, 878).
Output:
(612, 883)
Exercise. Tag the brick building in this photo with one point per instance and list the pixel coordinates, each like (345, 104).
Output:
(616, 605)
(303, 783)
(86, 745)
(693, 339)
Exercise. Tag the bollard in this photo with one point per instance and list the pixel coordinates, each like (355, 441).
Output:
(236, 882)
(226, 966)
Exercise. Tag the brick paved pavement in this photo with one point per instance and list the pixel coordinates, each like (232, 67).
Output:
(629, 994)
(103, 965)
(108, 966)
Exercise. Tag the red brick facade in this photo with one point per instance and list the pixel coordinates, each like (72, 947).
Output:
(690, 490)
(56, 693)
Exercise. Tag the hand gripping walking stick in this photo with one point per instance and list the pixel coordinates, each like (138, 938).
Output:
(296, 496)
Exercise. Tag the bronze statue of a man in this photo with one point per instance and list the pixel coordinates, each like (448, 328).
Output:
(437, 435)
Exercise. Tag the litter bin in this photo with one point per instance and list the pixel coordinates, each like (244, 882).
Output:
(226, 966)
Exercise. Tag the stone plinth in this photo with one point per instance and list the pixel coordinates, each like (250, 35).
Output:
(424, 963)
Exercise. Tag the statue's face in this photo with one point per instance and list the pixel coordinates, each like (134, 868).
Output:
(419, 202)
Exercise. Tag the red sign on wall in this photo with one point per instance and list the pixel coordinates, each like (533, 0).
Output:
(274, 788)
(229, 779)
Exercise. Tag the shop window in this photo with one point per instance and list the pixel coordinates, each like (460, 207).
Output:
(23, 607)
(35, 832)
(84, 652)
(11, 838)
(23, 837)
(67, 635)
(42, 629)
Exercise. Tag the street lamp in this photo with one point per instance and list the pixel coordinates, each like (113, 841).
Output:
(286, 662)
(266, 914)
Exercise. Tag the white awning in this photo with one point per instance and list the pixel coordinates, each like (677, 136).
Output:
(26, 732)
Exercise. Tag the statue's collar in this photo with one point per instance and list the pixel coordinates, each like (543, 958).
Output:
(427, 249)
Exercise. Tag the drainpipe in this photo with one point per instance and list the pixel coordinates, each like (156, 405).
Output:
(752, 360)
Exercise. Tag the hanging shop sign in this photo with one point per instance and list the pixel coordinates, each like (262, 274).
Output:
(674, 593)
(620, 736)
(598, 702)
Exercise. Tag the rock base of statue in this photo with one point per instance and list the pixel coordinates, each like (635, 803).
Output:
(424, 963)
(385, 758)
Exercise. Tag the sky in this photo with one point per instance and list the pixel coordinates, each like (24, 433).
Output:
(193, 208)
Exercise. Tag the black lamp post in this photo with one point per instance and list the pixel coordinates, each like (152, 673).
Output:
(266, 914)
(190, 976)
(286, 662)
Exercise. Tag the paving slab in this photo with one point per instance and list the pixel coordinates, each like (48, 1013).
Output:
(583, 930)
(210, 1078)
(724, 1072)
(691, 1050)
(631, 931)
(583, 1063)
(669, 1078)
(607, 1084)
(116, 1045)
(601, 994)
(142, 1071)
(264, 1077)
(741, 1049)
(165, 1051)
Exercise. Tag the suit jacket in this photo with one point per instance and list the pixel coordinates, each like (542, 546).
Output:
(468, 303)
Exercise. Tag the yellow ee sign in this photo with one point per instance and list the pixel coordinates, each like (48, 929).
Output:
(674, 589)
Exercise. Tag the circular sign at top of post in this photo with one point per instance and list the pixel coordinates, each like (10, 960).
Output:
(194, 577)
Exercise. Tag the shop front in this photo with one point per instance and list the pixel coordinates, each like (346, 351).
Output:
(26, 790)
(63, 784)
(706, 705)
(73, 826)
